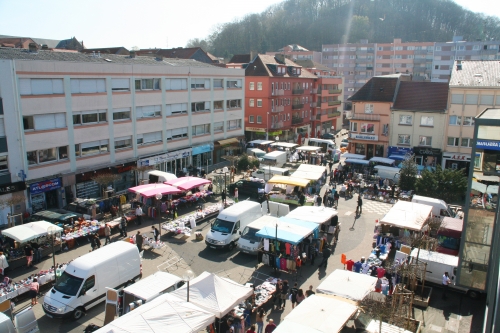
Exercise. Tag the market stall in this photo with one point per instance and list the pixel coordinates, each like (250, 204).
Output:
(318, 314)
(310, 172)
(184, 224)
(407, 215)
(188, 183)
(83, 228)
(291, 194)
(324, 216)
(382, 161)
(165, 313)
(347, 284)
(353, 156)
(150, 190)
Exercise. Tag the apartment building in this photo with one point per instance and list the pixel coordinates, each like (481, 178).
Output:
(474, 86)
(68, 117)
(418, 118)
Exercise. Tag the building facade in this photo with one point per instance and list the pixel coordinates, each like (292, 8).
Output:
(70, 116)
(297, 52)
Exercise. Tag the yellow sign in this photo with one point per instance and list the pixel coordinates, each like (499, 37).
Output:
(255, 129)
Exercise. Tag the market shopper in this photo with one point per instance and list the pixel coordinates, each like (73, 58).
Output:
(236, 194)
(446, 282)
(138, 214)
(326, 254)
(260, 320)
(156, 233)
(359, 208)
(270, 327)
(138, 240)
(92, 243)
(310, 291)
(28, 252)
(284, 295)
(223, 197)
(97, 241)
(300, 296)
(34, 289)
(37, 255)
(107, 234)
(294, 292)
(3, 263)
(123, 226)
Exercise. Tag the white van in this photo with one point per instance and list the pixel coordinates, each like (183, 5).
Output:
(157, 176)
(266, 172)
(223, 233)
(439, 207)
(437, 265)
(327, 146)
(278, 158)
(249, 242)
(24, 322)
(256, 152)
(387, 172)
(83, 283)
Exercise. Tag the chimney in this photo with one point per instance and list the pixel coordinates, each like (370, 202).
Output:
(132, 54)
(32, 47)
(280, 58)
(45, 47)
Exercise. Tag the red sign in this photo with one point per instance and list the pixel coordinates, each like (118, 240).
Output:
(458, 157)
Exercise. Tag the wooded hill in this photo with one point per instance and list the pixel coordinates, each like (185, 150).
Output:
(311, 23)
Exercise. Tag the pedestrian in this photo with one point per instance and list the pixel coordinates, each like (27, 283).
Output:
(156, 233)
(231, 328)
(236, 194)
(92, 242)
(326, 254)
(97, 241)
(294, 292)
(3, 263)
(138, 214)
(331, 195)
(310, 291)
(37, 254)
(123, 226)
(446, 282)
(223, 197)
(34, 289)
(312, 252)
(325, 199)
(360, 205)
(336, 197)
(302, 199)
(270, 327)
(174, 211)
(300, 296)
(318, 200)
(277, 294)
(260, 320)
(251, 329)
(107, 234)
(138, 240)
(28, 252)
(284, 295)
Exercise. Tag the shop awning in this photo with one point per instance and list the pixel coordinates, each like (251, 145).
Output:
(480, 176)
(289, 181)
(187, 183)
(308, 148)
(384, 160)
(289, 230)
(480, 187)
(228, 142)
(29, 231)
(407, 215)
(261, 142)
(397, 157)
(347, 284)
(355, 161)
(492, 189)
(308, 171)
(313, 214)
(284, 144)
(354, 156)
(150, 190)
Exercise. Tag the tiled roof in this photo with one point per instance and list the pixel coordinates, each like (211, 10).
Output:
(47, 55)
(240, 59)
(108, 50)
(260, 67)
(377, 89)
(181, 53)
(421, 96)
(476, 73)
(308, 63)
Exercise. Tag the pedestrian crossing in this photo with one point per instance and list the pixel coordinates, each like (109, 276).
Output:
(376, 207)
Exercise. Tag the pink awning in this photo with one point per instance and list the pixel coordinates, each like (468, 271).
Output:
(187, 183)
(150, 190)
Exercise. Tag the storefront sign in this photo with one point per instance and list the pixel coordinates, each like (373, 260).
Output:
(170, 156)
(395, 150)
(275, 133)
(488, 144)
(426, 151)
(12, 187)
(203, 149)
(364, 137)
(456, 157)
(45, 186)
(255, 129)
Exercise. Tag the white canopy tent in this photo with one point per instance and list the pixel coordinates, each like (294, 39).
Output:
(480, 187)
(353, 156)
(313, 214)
(153, 285)
(311, 172)
(374, 327)
(260, 142)
(480, 176)
(384, 160)
(284, 144)
(317, 314)
(347, 284)
(29, 231)
(214, 294)
(166, 313)
(492, 189)
(309, 148)
(407, 215)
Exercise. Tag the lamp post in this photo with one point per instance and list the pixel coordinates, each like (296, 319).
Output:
(225, 170)
(267, 126)
(158, 197)
(52, 231)
(188, 276)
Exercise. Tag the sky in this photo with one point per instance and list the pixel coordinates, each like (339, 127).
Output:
(141, 23)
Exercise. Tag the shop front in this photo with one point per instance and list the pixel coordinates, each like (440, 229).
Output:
(227, 147)
(254, 133)
(456, 161)
(202, 156)
(173, 161)
(45, 194)
(399, 153)
(427, 157)
(369, 149)
(7, 191)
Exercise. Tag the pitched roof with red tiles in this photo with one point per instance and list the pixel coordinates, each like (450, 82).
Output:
(421, 96)
(377, 89)
(263, 64)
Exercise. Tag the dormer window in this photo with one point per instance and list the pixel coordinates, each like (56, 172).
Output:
(298, 71)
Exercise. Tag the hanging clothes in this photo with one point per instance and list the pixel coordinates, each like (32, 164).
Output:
(287, 247)
(266, 244)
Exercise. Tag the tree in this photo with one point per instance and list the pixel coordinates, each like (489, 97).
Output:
(14, 200)
(196, 42)
(408, 173)
(448, 184)
(104, 180)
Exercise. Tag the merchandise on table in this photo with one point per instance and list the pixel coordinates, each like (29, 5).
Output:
(291, 198)
(180, 225)
(147, 241)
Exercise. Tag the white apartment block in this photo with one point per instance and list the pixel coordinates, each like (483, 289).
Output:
(68, 116)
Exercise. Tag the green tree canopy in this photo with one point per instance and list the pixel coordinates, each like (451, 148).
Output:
(448, 184)
(408, 173)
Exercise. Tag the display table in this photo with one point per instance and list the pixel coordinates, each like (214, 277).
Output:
(291, 199)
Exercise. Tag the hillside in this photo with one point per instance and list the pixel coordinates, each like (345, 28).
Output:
(312, 23)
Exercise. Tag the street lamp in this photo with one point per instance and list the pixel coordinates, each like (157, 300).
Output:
(267, 126)
(158, 197)
(225, 170)
(188, 276)
(52, 231)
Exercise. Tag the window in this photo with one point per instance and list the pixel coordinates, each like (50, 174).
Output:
(427, 121)
(148, 111)
(251, 102)
(92, 148)
(176, 84)
(218, 83)
(424, 140)
(89, 284)
(367, 128)
(120, 84)
(466, 142)
(46, 155)
(121, 114)
(147, 84)
(200, 129)
(259, 85)
(288, 86)
(89, 117)
(487, 100)
(471, 99)
(438, 48)
(251, 119)
(200, 83)
(175, 109)
(452, 141)
(233, 83)
(200, 106)
(476, 47)
(44, 121)
(123, 142)
(218, 127)
(354, 127)
(1, 105)
(4, 165)
(368, 108)
(177, 134)
(233, 124)
(403, 139)
(468, 121)
(233, 104)
(251, 85)
(41, 86)
(88, 86)
(259, 103)
(405, 119)
(218, 105)
(149, 138)
(259, 119)
(455, 120)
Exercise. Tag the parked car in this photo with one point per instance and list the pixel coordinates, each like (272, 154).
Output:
(330, 136)
(344, 143)
(253, 189)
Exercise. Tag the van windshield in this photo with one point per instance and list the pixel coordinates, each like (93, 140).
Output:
(249, 234)
(68, 284)
(259, 154)
(222, 226)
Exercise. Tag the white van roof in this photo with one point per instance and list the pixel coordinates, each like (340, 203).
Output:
(261, 142)
(274, 154)
(388, 168)
(267, 168)
(151, 286)
(238, 208)
(263, 221)
(436, 257)
(167, 175)
(419, 198)
(322, 140)
(256, 150)
(6, 325)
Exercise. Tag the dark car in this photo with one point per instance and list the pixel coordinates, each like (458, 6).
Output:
(57, 216)
(344, 143)
(249, 188)
(328, 136)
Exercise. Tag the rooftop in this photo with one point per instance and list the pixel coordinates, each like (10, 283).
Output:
(261, 66)
(475, 73)
(421, 96)
(377, 89)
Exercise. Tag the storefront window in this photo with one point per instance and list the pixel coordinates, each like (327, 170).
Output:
(360, 148)
(379, 150)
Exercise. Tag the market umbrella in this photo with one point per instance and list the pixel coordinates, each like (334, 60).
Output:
(187, 183)
(150, 190)
(26, 232)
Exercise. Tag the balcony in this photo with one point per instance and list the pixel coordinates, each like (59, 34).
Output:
(297, 91)
(335, 91)
(419, 60)
(332, 103)
(318, 117)
(364, 116)
(278, 92)
(423, 51)
(360, 68)
(297, 106)
(297, 120)
(334, 114)
(278, 108)
(318, 91)
(276, 125)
